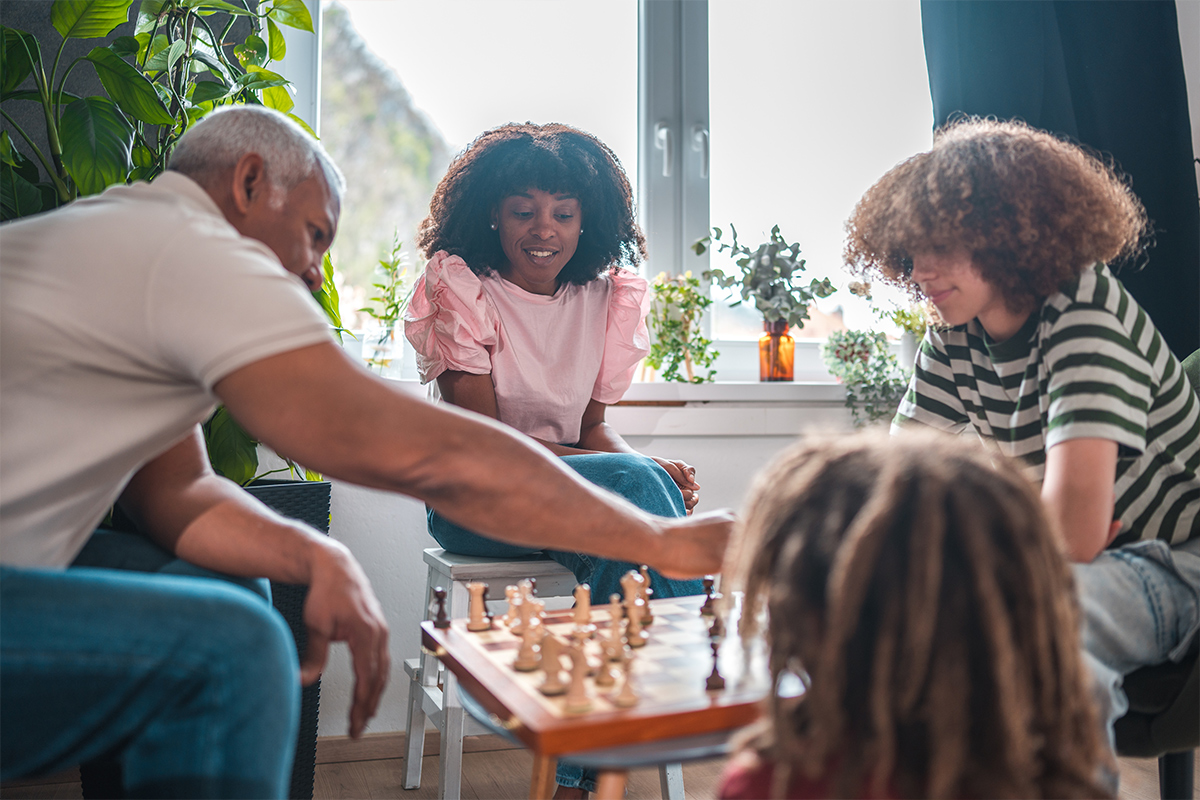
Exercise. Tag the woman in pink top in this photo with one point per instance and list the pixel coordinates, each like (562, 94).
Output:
(530, 311)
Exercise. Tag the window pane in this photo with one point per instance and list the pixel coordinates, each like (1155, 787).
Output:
(810, 103)
(458, 68)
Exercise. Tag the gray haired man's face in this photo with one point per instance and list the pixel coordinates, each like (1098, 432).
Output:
(299, 226)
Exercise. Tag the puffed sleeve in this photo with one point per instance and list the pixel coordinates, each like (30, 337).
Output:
(450, 322)
(626, 339)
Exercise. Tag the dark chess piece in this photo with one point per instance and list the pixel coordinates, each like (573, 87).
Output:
(533, 587)
(717, 630)
(715, 680)
(440, 620)
(706, 610)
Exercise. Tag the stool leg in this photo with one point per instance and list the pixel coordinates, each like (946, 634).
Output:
(414, 734)
(450, 755)
(670, 778)
(611, 784)
(1176, 775)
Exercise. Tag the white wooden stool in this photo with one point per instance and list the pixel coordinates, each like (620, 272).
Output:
(453, 572)
(441, 705)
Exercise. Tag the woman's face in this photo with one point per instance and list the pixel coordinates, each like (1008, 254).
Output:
(539, 232)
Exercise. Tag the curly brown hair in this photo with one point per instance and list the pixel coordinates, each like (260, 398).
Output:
(553, 158)
(1033, 210)
(917, 585)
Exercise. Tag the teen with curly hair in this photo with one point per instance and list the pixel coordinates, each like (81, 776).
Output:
(530, 311)
(916, 585)
(1007, 231)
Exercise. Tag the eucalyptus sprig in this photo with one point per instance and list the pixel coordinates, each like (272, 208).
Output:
(873, 378)
(678, 303)
(771, 274)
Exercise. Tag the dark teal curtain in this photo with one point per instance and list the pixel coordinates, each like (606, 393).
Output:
(1109, 75)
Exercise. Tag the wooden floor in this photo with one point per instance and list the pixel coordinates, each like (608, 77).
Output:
(492, 770)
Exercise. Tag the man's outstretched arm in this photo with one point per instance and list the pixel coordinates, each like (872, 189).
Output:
(209, 521)
(318, 407)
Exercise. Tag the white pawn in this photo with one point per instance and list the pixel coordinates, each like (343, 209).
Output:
(578, 700)
(552, 650)
(633, 632)
(478, 620)
(583, 604)
(615, 614)
(510, 594)
(529, 656)
(626, 697)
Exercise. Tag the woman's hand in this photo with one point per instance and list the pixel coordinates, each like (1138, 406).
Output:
(684, 476)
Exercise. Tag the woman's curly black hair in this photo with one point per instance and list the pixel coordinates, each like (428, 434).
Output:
(553, 158)
(1033, 210)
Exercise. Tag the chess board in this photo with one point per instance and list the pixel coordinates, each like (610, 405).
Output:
(668, 674)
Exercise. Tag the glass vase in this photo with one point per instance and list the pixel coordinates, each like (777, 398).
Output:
(776, 352)
(382, 351)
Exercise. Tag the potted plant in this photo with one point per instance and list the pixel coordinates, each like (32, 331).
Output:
(912, 320)
(381, 348)
(874, 381)
(674, 319)
(771, 275)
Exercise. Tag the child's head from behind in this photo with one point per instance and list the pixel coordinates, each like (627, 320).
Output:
(1032, 210)
(918, 586)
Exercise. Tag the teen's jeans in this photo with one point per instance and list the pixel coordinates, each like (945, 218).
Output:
(190, 680)
(1141, 606)
(638, 479)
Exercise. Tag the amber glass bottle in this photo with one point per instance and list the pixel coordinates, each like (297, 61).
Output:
(776, 352)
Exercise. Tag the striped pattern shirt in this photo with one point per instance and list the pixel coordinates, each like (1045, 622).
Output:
(1088, 364)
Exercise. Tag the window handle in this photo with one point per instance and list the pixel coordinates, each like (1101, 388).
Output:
(662, 141)
(700, 145)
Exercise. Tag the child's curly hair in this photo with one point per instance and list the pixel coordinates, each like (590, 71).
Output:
(1033, 210)
(916, 583)
(553, 158)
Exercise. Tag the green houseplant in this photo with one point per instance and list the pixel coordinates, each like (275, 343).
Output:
(186, 58)
(380, 347)
(770, 274)
(674, 320)
(874, 380)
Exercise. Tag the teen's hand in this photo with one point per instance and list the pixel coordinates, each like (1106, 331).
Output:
(341, 607)
(684, 476)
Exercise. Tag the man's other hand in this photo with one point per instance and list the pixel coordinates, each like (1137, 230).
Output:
(341, 607)
(694, 545)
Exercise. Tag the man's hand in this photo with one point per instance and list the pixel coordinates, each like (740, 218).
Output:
(695, 545)
(342, 608)
(684, 476)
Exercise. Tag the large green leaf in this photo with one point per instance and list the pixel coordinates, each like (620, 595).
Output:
(88, 19)
(252, 51)
(292, 13)
(126, 46)
(304, 125)
(18, 197)
(275, 38)
(217, 5)
(96, 142)
(208, 90)
(327, 297)
(230, 449)
(16, 58)
(278, 98)
(128, 88)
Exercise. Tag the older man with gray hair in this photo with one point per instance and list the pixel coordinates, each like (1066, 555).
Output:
(124, 319)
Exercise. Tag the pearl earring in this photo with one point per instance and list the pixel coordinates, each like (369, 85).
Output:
(493, 226)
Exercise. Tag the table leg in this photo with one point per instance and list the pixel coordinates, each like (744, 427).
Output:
(611, 784)
(541, 786)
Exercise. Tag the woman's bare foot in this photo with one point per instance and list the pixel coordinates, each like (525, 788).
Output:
(570, 793)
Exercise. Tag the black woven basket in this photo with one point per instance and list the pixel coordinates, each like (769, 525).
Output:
(308, 502)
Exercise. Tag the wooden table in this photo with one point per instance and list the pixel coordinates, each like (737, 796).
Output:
(669, 674)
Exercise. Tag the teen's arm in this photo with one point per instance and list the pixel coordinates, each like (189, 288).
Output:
(1077, 490)
(314, 405)
(209, 521)
(476, 393)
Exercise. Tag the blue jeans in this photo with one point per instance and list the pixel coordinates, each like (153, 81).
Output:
(191, 680)
(1141, 606)
(639, 480)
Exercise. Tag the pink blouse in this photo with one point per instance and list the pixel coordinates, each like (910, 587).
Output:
(548, 356)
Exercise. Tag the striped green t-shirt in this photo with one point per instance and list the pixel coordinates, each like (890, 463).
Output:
(1088, 364)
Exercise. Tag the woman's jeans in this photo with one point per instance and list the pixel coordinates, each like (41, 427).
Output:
(639, 480)
(190, 680)
(1141, 606)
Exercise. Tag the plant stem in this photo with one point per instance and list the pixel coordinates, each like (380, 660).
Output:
(64, 192)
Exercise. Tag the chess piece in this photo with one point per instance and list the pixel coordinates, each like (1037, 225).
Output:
(615, 615)
(626, 697)
(528, 588)
(631, 585)
(646, 592)
(715, 681)
(510, 594)
(529, 656)
(578, 700)
(706, 610)
(633, 631)
(583, 604)
(606, 675)
(552, 650)
(716, 631)
(440, 620)
(478, 620)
